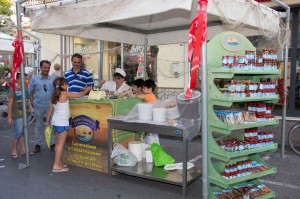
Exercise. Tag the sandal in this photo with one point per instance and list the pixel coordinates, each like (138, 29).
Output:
(14, 156)
(60, 170)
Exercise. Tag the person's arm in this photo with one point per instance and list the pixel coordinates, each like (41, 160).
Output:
(80, 94)
(141, 96)
(101, 84)
(31, 88)
(31, 99)
(49, 113)
(9, 110)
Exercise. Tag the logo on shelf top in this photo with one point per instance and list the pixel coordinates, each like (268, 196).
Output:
(232, 42)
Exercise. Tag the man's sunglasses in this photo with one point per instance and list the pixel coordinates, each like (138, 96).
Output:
(45, 88)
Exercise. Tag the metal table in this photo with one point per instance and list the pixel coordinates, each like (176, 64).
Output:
(148, 170)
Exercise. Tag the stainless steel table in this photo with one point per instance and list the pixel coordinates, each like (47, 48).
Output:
(148, 170)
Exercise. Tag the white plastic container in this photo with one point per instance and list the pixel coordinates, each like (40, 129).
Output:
(145, 111)
(159, 114)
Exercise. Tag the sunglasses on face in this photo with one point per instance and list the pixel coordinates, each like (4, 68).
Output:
(45, 88)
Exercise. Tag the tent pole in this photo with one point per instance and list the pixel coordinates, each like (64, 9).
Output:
(287, 25)
(145, 55)
(100, 56)
(63, 53)
(204, 126)
(19, 28)
(122, 56)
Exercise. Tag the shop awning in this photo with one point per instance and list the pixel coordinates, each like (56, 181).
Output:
(6, 44)
(163, 21)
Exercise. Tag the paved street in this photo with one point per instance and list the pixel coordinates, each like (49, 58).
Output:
(38, 182)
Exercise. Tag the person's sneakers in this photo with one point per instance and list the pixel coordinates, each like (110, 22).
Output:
(37, 149)
(52, 147)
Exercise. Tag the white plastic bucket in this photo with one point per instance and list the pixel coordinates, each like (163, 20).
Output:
(159, 114)
(145, 111)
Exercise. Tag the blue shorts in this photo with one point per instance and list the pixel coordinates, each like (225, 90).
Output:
(60, 129)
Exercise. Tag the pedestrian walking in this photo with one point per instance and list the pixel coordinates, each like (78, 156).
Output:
(40, 91)
(59, 106)
(15, 116)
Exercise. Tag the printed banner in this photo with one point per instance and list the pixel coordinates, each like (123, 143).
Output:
(87, 144)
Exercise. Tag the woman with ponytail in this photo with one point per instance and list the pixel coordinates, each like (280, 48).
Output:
(59, 106)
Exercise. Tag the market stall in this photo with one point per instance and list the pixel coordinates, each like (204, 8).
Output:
(152, 22)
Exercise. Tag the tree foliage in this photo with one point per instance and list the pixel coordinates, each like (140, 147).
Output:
(5, 7)
(5, 12)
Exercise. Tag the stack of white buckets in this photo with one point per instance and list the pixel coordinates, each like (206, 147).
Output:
(147, 112)
(157, 114)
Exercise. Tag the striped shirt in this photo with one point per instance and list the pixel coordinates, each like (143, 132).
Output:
(77, 82)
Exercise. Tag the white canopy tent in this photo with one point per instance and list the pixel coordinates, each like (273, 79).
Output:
(128, 21)
(6, 44)
(151, 23)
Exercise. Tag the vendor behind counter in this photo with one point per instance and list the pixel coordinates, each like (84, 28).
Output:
(118, 85)
(78, 77)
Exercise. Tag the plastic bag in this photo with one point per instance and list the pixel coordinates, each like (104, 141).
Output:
(48, 132)
(151, 138)
(160, 157)
(122, 156)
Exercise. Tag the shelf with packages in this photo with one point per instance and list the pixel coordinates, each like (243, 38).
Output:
(216, 95)
(232, 71)
(217, 125)
(217, 189)
(215, 169)
(217, 152)
(241, 83)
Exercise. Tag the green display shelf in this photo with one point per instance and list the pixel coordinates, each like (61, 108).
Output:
(217, 157)
(257, 182)
(271, 99)
(215, 95)
(218, 124)
(239, 71)
(215, 169)
(217, 152)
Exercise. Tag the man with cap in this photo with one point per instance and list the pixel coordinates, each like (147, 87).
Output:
(78, 77)
(118, 85)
